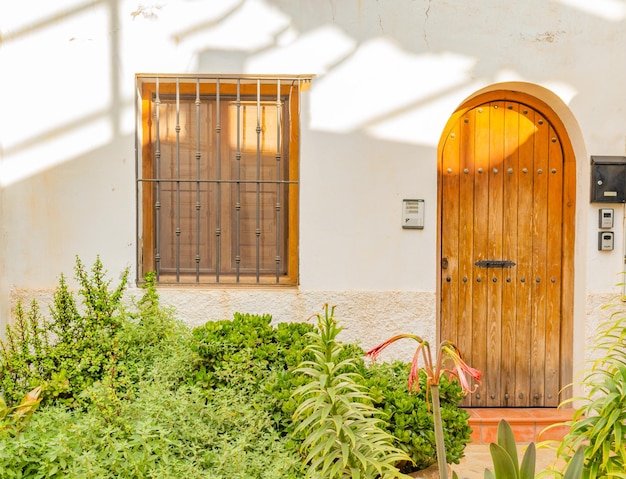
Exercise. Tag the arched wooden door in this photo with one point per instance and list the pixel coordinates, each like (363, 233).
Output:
(507, 201)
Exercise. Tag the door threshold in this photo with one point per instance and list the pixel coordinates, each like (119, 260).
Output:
(528, 424)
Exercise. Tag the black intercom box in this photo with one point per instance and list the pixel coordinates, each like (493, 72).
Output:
(608, 179)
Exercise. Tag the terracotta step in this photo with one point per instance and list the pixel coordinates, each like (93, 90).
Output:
(527, 423)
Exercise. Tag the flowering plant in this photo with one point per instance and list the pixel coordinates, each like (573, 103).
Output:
(448, 362)
(13, 419)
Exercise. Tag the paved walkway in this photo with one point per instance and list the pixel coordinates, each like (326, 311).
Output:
(477, 459)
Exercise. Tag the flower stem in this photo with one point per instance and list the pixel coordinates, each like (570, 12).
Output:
(439, 442)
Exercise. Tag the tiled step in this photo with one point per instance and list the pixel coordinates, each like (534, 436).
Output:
(527, 423)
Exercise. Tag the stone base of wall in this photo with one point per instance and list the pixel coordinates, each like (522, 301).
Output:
(368, 317)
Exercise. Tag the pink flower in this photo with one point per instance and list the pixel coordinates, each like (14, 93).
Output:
(422, 349)
(374, 352)
(414, 374)
(462, 371)
(448, 352)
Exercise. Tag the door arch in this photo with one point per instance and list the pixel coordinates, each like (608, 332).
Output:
(507, 187)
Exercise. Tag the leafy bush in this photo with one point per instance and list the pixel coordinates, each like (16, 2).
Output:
(218, 343)
(139, 419)
(249, 352)
(73, 349)
(153, 344)
(159, 434)
(133, 392)
(409, 418)
(600, 420)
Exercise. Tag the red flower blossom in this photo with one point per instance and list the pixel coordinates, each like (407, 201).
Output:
(462, 371)
(448, 353)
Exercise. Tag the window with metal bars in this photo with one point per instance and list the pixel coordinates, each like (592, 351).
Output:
(217, 179)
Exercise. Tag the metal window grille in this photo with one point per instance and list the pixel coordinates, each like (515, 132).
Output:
(217, 178)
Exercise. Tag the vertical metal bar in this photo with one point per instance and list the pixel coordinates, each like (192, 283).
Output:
(198, 170)
(258, 179)
(278, 174)
(138, 184)
(238, 186)
(177, 180)
(157, 186)
(218, 145)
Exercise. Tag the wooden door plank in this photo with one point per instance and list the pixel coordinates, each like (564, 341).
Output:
(481, 224)
(540, 240)
(509, 251)
(495, 233)
(466, 235)
(450, 241)
(524, 256)
(554, 277)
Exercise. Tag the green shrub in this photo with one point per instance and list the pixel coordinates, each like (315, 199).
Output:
(160, 400)
(151, 335)
(140, 419)
(410, 419)
(600, 420)
(250, 341)
(159, 434)
(73, 349)
(248, 352)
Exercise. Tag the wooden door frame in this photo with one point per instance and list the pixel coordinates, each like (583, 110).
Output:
(569, 217)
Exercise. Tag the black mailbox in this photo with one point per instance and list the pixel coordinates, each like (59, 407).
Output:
(608, 179)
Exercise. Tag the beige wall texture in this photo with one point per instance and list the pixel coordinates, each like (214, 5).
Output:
(387, 77)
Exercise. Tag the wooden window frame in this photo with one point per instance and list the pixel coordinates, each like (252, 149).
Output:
(290, 88)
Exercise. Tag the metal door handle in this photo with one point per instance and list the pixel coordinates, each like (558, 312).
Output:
(494, 263)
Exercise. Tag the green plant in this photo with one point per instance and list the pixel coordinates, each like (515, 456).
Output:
(341, 429)
(151, 347)
(73, 349)
(141, 419)
(408, 416)
(600, 420)
(505, 458)
(23, 352)
(159, 433)
(449, 363)
(256, 357)
(14, 419)
(250, 353)
(151, 334)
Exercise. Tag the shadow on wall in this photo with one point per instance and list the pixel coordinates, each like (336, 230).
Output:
(67, 147)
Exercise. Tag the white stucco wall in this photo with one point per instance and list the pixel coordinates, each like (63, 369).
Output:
(388, 76)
